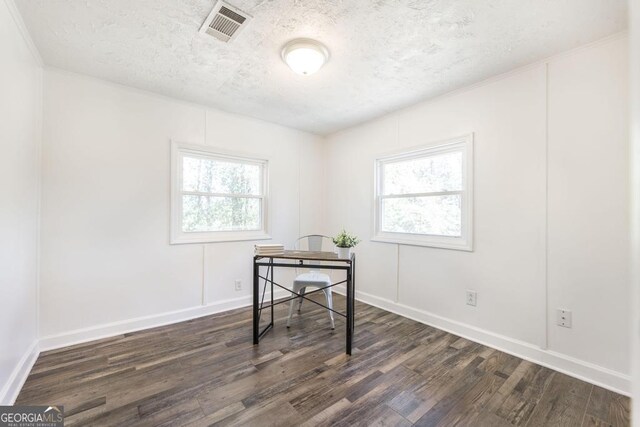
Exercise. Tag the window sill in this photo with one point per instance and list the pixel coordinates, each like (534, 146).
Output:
(186, 239)
(452, 243)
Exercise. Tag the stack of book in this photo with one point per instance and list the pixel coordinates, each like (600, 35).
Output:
(269, 249)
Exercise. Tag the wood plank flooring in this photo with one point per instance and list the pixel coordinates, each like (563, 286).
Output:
(207, 372)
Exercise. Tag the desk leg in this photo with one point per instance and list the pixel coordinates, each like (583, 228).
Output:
(271, 292)
(256, 292)
(349, 309)
(353, 296)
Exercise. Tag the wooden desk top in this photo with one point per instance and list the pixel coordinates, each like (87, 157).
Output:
(307, 255)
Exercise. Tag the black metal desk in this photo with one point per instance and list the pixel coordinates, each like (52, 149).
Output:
(296, 259)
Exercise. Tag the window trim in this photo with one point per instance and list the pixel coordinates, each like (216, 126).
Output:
(177, 236)
(465, 241)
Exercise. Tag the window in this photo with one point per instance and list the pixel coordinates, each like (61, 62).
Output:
(216, 197)
(424, 197)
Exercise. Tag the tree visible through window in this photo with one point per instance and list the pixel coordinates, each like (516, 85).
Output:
(423, 196)
(218, 194)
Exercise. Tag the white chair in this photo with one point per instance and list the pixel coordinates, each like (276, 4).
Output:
(313, 279)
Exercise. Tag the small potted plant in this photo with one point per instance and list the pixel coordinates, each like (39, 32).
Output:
(344, 241)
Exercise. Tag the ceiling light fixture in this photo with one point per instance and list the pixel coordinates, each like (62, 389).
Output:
(305, 56)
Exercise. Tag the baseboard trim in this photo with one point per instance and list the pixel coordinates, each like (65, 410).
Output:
(12, 388)
(80, 336)
(594, 374)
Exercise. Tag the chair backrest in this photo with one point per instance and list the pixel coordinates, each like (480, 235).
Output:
(315, 243)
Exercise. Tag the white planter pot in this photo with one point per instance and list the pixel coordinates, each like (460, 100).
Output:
(344, 253)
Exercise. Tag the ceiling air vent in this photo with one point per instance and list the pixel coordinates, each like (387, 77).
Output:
(225, 22)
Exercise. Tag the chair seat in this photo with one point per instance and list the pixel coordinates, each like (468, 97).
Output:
(312, 278)
(315, 280)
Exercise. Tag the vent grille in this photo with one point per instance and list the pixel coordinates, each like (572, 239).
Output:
(232, 15)
(224, 22)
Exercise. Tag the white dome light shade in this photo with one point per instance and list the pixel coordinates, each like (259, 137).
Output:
(305, 56)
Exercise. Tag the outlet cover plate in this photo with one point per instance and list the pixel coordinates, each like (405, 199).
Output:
(563, 317)
(472, 298)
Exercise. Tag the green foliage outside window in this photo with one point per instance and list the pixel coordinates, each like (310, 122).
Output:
(221, 198)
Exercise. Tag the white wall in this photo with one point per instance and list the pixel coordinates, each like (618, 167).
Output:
(20, 111)
(106, 261)
(567, 247)
(634, 51)
(588, 205)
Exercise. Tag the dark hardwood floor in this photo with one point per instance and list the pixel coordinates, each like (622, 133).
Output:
(206, 371)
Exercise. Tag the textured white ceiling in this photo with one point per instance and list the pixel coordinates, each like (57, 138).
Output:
(385, 54)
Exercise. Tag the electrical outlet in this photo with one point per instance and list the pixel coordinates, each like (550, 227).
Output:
(472, 298)
(238, 285)
(564, 318)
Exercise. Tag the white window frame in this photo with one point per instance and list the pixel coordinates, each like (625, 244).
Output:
(462, 144)
(178, 236)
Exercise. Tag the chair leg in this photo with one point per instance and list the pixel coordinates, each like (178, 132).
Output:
(329, 295)
(302, 291)
(290, 310)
